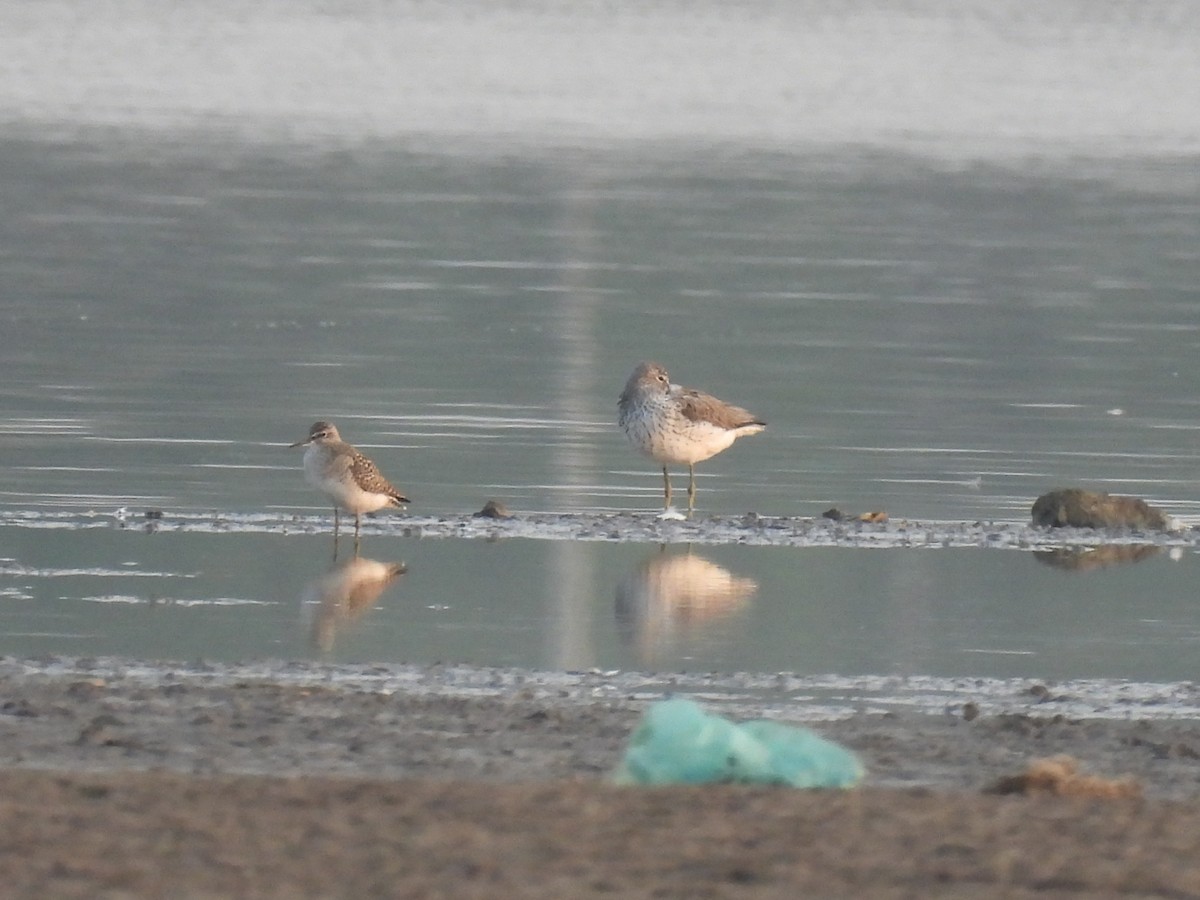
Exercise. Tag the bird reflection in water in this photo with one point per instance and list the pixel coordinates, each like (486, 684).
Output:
(1085, 559)
(344, 594)
(676, 595)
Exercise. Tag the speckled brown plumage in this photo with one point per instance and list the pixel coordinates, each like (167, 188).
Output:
(370, 479)
(349, 478)
(680, 425)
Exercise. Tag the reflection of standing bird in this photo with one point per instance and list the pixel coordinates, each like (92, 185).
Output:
(671, 593)
(345, 593)
(344, 475)
(673, 424)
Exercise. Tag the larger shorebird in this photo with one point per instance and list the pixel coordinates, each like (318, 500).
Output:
(678, 425)
(348, 478)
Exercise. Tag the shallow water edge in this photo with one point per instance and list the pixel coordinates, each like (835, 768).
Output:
(750, 529)
(783, 695)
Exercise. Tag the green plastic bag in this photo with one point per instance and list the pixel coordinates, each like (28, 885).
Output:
(677, 742)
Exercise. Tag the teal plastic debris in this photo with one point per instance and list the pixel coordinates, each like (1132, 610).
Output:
(677, 742)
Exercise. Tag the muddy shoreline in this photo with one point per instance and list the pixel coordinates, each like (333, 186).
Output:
(750, 529)
(126, 779)
(503, 725)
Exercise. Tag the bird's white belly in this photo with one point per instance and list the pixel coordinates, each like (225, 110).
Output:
(338, 485)
(675, 439)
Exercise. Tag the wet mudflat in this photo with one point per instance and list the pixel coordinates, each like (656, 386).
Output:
(647, 527)
(508, 725)
(202, 786)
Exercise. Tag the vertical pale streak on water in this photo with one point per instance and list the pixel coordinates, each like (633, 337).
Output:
(571, 571)
(906, 613)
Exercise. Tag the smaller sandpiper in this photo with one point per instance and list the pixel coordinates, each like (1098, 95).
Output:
(348, 478)
(678, 425)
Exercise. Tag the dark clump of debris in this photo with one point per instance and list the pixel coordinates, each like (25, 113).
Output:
(1077, 508)
(1060, 776)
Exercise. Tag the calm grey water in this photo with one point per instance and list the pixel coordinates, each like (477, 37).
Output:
(567, 605)
(948, 251)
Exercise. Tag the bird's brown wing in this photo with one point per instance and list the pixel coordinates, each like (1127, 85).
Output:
(701, 407)
(369, 478)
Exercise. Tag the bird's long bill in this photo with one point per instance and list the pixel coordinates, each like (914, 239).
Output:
(300, 443)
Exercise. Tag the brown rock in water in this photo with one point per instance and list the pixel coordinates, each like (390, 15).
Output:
(1077, 508)
(493, 509)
